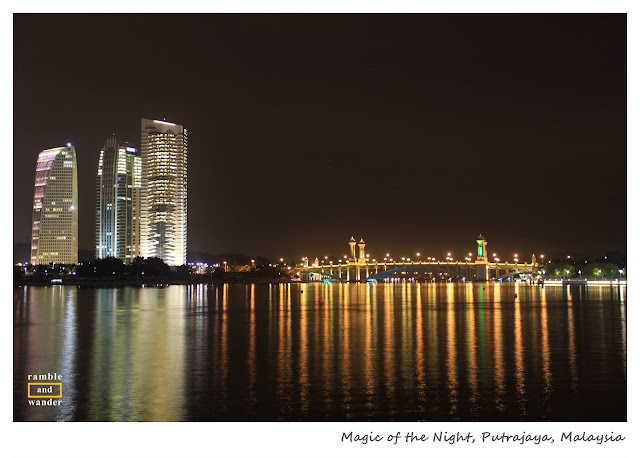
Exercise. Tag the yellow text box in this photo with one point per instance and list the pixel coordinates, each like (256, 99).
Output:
(43, 384)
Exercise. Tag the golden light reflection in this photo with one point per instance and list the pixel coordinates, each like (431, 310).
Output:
(303, 368)
(157, 334)
(421, 384)
(452, 370)
(472, 355)
(284, 358)
(407, 355)
(368, 350)
(358, 351)
(346, 356)
(433, 350)
(498, 348)
(326, 349)
(389, 340)
(546, 352)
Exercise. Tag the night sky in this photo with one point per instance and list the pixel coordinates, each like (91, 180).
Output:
(416, 132)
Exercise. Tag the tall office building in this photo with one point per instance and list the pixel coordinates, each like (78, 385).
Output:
(164, 191)
(118, 202)
(54, 232)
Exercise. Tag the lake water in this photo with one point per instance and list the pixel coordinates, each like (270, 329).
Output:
(386, 351)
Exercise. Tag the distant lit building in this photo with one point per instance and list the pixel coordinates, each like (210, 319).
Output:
(118, 202)
(164, 191)
(54, 232)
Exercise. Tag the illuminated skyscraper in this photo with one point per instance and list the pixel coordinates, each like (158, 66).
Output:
(164, 191)
(118, 202)
(54, 232)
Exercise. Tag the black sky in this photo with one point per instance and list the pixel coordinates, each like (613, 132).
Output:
(416, 132)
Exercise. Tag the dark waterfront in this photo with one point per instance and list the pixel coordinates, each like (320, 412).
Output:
(386, 351)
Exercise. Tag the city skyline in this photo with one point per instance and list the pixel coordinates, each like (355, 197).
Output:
(294, 143)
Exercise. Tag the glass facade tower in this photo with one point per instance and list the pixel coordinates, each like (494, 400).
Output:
(164, 191)
(54, 230)
(118, 202)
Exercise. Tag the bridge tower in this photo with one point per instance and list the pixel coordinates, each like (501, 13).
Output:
(361, 259)
(482, 261)
(482, 249)
(352, 249)
(361, 245)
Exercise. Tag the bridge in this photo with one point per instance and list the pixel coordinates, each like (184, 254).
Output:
(361, 269)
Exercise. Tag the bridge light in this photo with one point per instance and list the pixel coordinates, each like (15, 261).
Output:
(418, 254)
(470, 254)
(387, 255)
(449, 254)
(495, 255)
